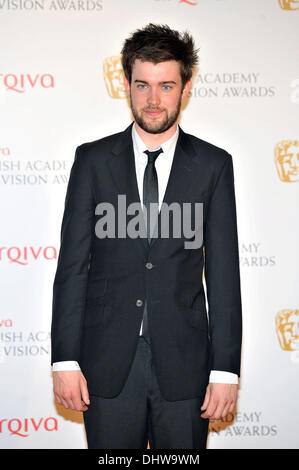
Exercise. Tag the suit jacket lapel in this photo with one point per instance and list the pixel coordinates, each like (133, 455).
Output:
(181, 176)
(123, 172)
(180, 182)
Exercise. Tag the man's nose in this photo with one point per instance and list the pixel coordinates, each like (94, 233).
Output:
(153, 97)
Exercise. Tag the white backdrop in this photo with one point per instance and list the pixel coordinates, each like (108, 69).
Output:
(60, 86)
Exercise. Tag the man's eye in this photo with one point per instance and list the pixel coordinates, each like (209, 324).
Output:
(142, 86)
(166, 87)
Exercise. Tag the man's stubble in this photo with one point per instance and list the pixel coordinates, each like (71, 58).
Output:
(156, 128)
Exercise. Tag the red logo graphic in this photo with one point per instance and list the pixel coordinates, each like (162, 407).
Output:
(20, 256)
(22, 427)
(20, 83)
(4, 151)
(6, 323)
(188, 2)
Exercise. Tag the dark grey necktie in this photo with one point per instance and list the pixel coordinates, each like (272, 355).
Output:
(150, 195)
(150, 188)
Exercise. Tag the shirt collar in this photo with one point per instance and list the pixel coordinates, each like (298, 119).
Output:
(141, 147)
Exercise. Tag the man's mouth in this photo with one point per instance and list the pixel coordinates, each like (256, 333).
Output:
(153, 112)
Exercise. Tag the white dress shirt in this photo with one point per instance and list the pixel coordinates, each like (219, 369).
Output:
(163, 165)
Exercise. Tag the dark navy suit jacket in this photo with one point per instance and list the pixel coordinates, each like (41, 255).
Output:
(101, 285)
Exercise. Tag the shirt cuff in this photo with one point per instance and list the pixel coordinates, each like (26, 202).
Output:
(65, 365)
(223, 377)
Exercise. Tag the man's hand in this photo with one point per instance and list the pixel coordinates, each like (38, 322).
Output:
(70, 389)
(220, 400)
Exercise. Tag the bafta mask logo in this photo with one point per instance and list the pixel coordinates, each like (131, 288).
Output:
(286, 157)
(289, 4)
(114, 77)
(287, 329)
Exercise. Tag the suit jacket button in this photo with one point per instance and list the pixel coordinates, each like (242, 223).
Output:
(149, 265)
(139, 303)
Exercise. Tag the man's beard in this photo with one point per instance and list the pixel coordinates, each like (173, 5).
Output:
(156, 127)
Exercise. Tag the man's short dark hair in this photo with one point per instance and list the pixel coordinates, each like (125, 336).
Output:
(158, 43)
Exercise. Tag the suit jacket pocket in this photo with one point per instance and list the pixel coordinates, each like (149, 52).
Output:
(96, 288)
(198, 318)
(95, 311)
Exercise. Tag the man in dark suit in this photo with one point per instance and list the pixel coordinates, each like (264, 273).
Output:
(133, 345)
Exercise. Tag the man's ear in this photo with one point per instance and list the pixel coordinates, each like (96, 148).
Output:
(186, 89)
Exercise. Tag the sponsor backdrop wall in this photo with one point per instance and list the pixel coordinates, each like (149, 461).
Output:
(61, 84)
